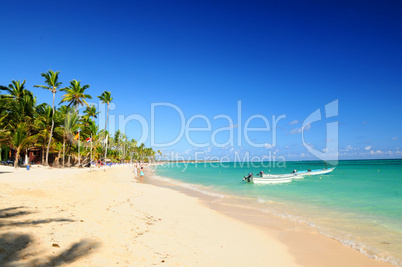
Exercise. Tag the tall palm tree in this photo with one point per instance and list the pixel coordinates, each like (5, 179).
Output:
(106, 98)
(52, 84)
(75, 94)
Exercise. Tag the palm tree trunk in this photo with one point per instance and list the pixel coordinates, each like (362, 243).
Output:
(57, 161)
(64, 145)
(69, 155)
(90, 160)
(43, 153)
(124, 152)
(107, 119)
(17, 157)
(106, 147)
(51, 134)
(107, 116)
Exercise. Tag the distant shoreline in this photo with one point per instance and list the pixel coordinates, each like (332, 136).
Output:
(307, 160)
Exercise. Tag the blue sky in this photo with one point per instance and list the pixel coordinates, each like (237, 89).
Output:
(275, 57)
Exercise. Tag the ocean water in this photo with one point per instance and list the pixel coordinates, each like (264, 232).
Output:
(359, 203)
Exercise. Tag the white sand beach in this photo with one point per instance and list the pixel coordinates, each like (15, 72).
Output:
(103, 217)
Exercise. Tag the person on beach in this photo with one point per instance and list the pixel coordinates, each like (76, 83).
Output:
(142, 174)
(135, 171)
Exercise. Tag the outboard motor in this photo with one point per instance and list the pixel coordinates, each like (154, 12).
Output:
(248, 177)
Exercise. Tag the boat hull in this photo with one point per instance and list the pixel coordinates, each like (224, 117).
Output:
(262, 180)
(316, 172)
(285, 178)
(273, 176)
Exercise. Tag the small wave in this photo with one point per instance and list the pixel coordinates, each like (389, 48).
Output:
(364, 249)
(345, 240)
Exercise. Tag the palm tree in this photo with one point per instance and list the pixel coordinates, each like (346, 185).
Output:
(104, 135)
(16, 90)
(125, 144)
(133, 145)
(17, 111)
(71, 125)
(19, 100)
(116, 138)
(93, 129)
(150, 154)
(20, 140)
(141, 151)
(59, 147)
(159, 155)
(91, 111)
(52, 84)
(106, 98)
(63, 112)
(75, 94)
(44, 116)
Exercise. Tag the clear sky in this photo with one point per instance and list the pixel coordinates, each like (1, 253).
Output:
(209, 58)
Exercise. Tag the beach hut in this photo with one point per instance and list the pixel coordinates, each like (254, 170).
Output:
(35, 155)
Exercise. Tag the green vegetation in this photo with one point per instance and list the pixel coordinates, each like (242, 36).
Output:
(24, 125)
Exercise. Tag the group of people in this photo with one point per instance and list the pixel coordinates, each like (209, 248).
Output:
(141, 172)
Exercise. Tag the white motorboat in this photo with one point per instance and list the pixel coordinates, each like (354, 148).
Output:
(271, 179)
(265, 178)
(315, 172)
(262, 180)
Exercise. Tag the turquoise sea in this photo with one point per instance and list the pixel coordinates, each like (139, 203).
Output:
(359, 204)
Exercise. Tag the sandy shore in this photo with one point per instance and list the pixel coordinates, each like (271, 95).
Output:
(103, 217)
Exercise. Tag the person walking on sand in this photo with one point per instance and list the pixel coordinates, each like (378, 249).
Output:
(135, 172)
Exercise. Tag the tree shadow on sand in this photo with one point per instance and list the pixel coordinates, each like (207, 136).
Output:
(9, 212)
(29, 222)
(17, 248)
